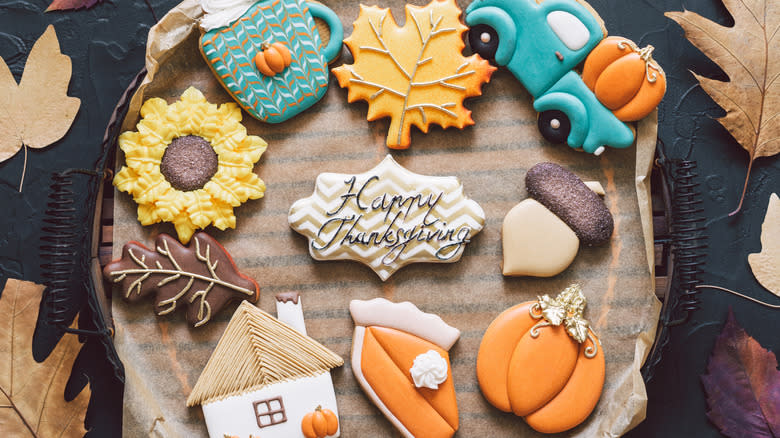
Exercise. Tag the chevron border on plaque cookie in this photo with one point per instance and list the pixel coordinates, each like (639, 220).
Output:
(387, 218)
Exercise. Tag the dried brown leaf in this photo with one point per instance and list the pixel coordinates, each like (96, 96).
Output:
(742, 385)
(38, 111)
(71, 5)
(766, 264)
(32, 400)
(749, 53)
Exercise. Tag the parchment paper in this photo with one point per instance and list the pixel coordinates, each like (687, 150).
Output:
(163, 356)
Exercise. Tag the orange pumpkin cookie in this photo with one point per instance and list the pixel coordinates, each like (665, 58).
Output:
(625, 78)
(400, 358)
(541, 361)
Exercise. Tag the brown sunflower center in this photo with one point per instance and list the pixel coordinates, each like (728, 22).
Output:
(189, 163)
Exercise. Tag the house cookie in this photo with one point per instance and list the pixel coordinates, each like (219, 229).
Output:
(201, 276)
(268, 54)
(414, 74)
(190, 163)
(267, 379)
(541, 361)
(562, 212)
(400, 358)
(387, 218)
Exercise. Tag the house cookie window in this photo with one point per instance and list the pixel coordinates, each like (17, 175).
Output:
(269, 412)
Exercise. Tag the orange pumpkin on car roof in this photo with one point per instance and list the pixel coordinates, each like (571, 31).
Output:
(625, 78)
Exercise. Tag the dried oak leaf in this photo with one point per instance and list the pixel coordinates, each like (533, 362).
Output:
(38, 111)
(742, 385)
(414, 74)
(766, 264)
(65, 5)
(749, 53)
(32, 394)
(201, 275)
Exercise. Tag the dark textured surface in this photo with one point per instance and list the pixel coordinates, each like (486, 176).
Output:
(564, 193)
(107, 44)
(189, 162)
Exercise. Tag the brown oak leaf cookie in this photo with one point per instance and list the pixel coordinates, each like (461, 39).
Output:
(201, 275)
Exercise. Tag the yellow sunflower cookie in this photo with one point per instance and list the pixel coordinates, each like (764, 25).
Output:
(190, 163)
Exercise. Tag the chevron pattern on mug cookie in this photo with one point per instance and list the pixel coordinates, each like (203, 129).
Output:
(230, 51)
(387, 218)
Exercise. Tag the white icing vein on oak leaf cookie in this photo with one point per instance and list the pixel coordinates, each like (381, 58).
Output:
(387, 218)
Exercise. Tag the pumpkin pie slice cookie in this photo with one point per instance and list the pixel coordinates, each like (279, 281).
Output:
(400, 358)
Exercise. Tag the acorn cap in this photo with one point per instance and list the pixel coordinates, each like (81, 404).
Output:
(564, 193)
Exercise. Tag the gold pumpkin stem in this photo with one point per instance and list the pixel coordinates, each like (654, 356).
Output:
(593, 349)
(535, 329)
(535, 308)
(567, 309)
(646, 54)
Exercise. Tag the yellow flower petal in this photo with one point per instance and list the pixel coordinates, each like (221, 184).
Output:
(224, 217)
(185, 229)
(235, 191)
(193, 96)
(171, 204)
(200, 208)
(147, 215)
(154, 107)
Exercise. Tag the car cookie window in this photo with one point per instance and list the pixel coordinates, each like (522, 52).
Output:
(571, 31)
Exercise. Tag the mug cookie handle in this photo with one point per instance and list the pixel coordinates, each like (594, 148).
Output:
(333, 49)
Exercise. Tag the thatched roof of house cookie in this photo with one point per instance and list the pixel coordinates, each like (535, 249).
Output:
(257, 350)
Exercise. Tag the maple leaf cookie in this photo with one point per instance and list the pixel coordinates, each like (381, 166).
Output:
(414, 74)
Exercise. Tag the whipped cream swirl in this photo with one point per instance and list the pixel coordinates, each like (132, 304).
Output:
(429, 370)
(220, 13)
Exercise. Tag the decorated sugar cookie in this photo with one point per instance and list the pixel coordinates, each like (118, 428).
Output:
(541, 361)
(268, 54)
(400, 358)
(625, 78)
(542, 235)
(190, 163)
(267, 379)
(542, 42)
(414, 74)
(201, 277)
(387, 218)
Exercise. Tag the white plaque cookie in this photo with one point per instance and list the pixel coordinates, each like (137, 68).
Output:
(387, 218)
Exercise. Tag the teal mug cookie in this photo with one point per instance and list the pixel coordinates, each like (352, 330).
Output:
(268, 54)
